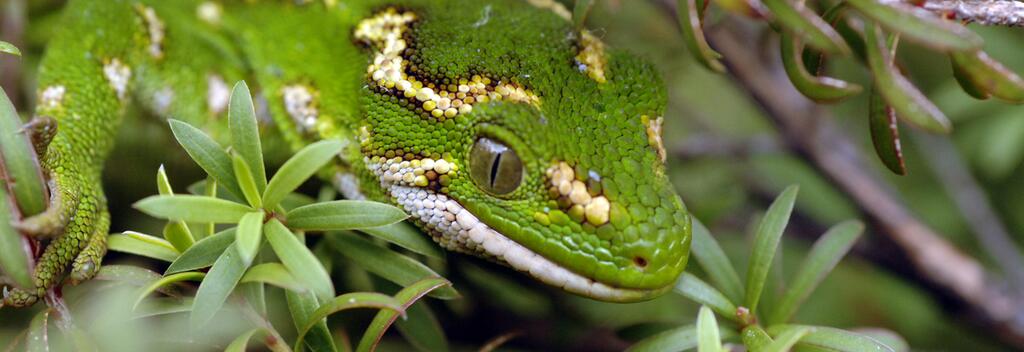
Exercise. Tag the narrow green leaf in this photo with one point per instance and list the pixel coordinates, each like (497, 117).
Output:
(162, 306)
(178, 234)
(699, 291)
(910, 104)
(682, 338)
(989, 75)
(128, 274)
(785, 340)
(19, 158)
(167, 280)
(966, 82)
(240, 343)
(350, 301)
(824, 255)
(421, 328)
(218, 284)
(193, 208)
(300, 167)
(299, 260)
(769, 233)
(708, 339)
(249, 236)
(246, 182)
(712, 259)
(693, 35)
(886, 337)
(302, 306)
(9, 48)
(833, 339)
(245, 133)
(144, 245)
(274, 274)
(820, 89)
(387, 264)
(14, 248)
(919, 25)
(755, 338)
(204, 253)
(407, 297)
(885, 134)
(163, 185)
(406, 236)
(344, 215)
(801, 21)
(38, 338)
(207, 153)
(580, 11)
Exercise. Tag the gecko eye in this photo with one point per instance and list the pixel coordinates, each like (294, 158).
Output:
(495, 167)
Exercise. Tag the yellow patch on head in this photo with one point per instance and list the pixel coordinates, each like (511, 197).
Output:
(581, 199)
(591, 56)
(654, 135)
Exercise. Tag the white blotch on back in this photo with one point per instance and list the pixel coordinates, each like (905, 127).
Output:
(299, 102)
(209, 12)
(155, 28)
(217, 94)
(118, 75)
(52, 96)
(163, 99)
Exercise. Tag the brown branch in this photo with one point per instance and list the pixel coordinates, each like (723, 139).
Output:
(985, 12)
(811, 132)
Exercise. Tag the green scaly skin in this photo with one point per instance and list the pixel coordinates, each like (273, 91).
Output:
(601, 129)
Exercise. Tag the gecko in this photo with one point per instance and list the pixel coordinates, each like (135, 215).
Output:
(502, 129)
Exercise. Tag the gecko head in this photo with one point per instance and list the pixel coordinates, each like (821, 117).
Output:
(509, 135)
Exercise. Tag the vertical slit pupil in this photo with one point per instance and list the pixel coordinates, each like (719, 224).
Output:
(494, 168)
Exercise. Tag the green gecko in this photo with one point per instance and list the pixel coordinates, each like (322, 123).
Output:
(501, 129)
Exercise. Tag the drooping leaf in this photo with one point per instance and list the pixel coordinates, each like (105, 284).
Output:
(299, 260)
(421, 328)
(766, 242)
(408, 237)
(23, 173)
(215, 288)
(989, 75)
(249, 236)
(967, 83)
(918, 24)
(910, 104)
(245, 133)
(207, 153)
(344, 215)
(407, 297)
(274, 274)
(300, 167)
(690, 23)
(708, 338)
(14, 248)
(824, 255)
(387, 264)
(699, 291)
(712, 259)
(240, 343)
(167, 280)
(798, 20)
(144, 245)
(833, 339)
(351, 301)
(204, 253)
(193, 209)
(820, 89)
(885, 134)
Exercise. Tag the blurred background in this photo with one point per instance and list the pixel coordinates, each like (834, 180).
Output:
(728, 158)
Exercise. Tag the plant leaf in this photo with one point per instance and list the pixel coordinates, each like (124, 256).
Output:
(769, 233)
(408, 237)
(755, 338)
(207, 153)
(246, 182)
(249, 236)
(885, 134)
(204, 253)
(23, 173)
(689, 16)
(299, 260)
(9, 48)
(38, 338)
(167, 280)
(919, 25)
(801, 21)
(407, 297)
(387, 264)
(163, 185)
(300, 167)
(708, 339)
(302, 306)
(14, 248)
(833, 339)
(344, 215)
(580, 11)
(215, 288)
(785, 340)
(144, 245)
(274, 274)
(350, 301)
(193, 209)
(989, 75)
(820, 89)
(714, 262)
(966, 82)
(910, 104)
(699, 291)
(421, 328)
(824, 255)
(245, 133)
(178, 234)
(240, 343)
(682, 338)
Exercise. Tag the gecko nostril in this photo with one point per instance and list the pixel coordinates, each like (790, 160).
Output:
(640, 262)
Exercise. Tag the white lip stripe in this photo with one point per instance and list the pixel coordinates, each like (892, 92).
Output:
(456, 229)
